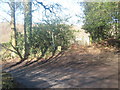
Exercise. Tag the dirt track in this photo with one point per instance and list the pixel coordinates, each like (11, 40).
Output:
(77, 68)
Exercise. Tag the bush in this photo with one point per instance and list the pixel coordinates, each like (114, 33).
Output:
(49, 37)
(5, 54)
(46, 38)
(20, 42)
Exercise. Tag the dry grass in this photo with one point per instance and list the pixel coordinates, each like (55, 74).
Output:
(5, 31)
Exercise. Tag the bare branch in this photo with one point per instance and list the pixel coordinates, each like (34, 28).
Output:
(44, 6)
(8, 48)
(3, 18)
(17, 51)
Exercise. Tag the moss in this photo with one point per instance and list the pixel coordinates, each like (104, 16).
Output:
(7, 81)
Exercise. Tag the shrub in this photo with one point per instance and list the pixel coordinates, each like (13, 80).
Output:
(49, 37)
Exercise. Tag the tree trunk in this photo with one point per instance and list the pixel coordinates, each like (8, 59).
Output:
(13, 26)
(27, 26)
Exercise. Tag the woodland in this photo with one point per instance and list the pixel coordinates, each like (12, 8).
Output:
(50, 45)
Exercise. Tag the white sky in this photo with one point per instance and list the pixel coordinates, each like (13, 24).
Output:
(72, 9)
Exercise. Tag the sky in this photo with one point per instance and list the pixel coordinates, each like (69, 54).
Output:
(71, 9)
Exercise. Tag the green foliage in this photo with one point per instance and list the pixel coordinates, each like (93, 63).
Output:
(99, 19)
(5, 54)
(7, 44)
(7, 81)
(40, 40)
(47, 38)
(20, 42)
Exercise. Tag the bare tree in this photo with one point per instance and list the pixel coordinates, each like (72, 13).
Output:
(12, 5)
(13, 23)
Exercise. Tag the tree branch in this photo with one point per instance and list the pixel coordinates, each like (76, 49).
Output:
(8, 48)
(18, 53)
(44, 6)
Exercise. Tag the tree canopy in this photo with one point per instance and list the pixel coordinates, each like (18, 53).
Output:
(101, 19)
